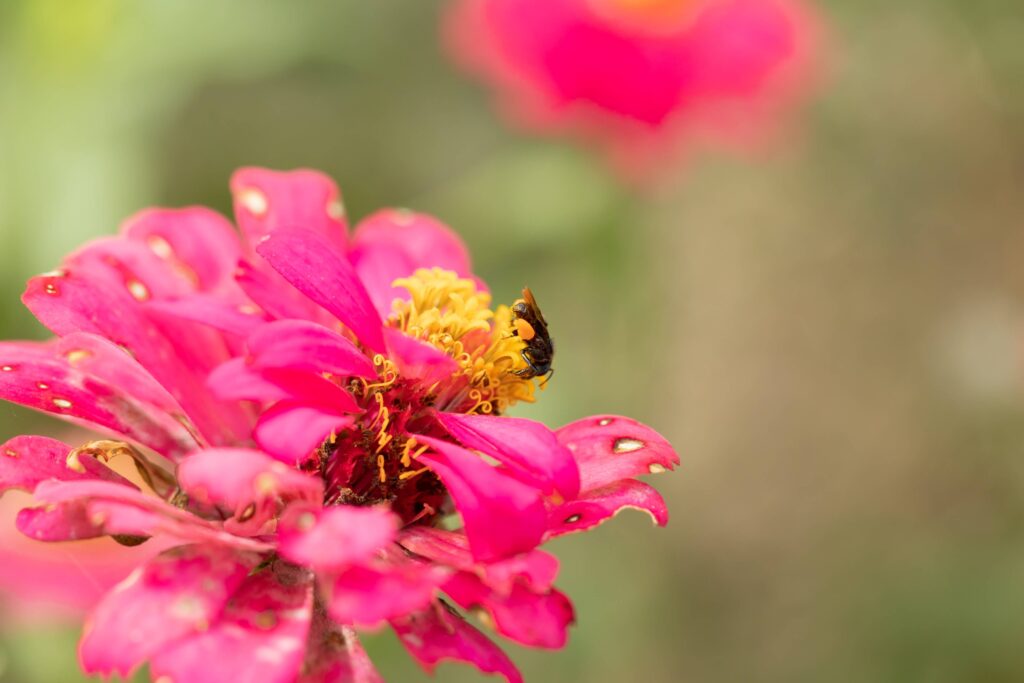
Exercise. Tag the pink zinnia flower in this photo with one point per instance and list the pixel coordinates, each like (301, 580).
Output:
(313, 415)
(639, 77)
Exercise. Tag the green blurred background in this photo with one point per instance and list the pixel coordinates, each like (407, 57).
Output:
(830, 333)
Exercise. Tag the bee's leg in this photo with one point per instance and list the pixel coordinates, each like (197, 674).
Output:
(531, 370)
(547, 377)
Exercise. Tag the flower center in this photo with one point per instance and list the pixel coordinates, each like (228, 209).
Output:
(651, 16)
(374, 460)
(451, 314)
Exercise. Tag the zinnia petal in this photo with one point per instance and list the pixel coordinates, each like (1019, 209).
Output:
(609, 448)
(39, 376)
(334, 538)
(291, 431)
(272, 293)
(487, 500)
(250, 484)
(103, 296)
(392, 244)
(535, 569)
(70, 521)
(309, 263)
(529, 449)
(95, 355)
(302, 345)
(418, 360)
(237, 379)
(113, 509)
(536, 619)
(216, 312)
(597, 506)
(367, 596)
(27, 461)
(764, 36)
(260, 636)
(196, 242)
(438, 633)
(273, 201)
(175, 595)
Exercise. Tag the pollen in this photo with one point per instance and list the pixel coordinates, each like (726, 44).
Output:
(452, 314)
(524, 329)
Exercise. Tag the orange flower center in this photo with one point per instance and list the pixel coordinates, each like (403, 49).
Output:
(651, 16)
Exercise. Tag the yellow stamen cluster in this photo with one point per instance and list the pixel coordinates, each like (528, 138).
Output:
(448, 312)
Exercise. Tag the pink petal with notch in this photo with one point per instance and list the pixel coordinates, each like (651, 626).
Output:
(597, 506)
(609, 448)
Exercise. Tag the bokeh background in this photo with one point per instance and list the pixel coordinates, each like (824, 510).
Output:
(830, 331)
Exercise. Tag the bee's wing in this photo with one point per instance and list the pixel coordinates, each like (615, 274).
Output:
(532, 303)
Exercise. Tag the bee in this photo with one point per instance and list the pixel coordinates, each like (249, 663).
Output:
(529, 325)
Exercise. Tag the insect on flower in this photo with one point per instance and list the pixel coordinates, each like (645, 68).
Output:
(528, 324)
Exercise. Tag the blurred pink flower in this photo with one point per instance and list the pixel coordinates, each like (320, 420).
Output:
(640, 78)
(308, 413)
